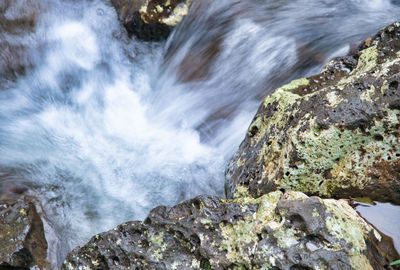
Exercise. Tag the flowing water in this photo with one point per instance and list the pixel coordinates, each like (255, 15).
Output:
(102, 128)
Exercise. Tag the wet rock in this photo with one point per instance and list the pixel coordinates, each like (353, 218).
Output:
(275, 231)
(335, 134)
(17, 21)
(22, 236)
(151, 20)
(168, 12)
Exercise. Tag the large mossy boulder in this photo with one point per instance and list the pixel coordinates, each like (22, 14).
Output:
(275, 231)
(336, 134)
(151, 20)
(22, 236)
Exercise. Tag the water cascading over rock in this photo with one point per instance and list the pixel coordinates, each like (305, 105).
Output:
(101, 127)
(354, 103)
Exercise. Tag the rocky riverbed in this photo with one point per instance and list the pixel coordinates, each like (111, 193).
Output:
(335, 135)
(315, 148)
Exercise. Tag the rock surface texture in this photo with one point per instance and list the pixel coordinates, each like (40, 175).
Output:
(275, 231)
(151, 20)
(336, 134)
(22, 237)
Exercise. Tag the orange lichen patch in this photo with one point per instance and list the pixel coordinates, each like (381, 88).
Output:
(368, 41)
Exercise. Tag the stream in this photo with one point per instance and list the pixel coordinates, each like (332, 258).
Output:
(102, 127)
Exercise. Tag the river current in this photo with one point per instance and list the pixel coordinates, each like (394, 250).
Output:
(102, 127)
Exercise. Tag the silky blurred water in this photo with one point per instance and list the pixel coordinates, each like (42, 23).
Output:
(103, 128)
(385, 217)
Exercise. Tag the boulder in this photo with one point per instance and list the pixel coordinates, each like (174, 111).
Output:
(22, 236)
(151, 20)
(335, 134)
(274, 231)
(168, 12)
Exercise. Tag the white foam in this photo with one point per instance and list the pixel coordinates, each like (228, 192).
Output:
(105, 129)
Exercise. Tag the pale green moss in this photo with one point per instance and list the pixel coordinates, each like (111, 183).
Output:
(174, 18)
(315, 213)
(237, 238)
(367, 95)
(295, 195)
(178, 13)
(240, 237)
(320, 150)
(360, 262)
(240, 162)
(157, 255)
(195, 264)
(240, 240)
(175, 266)
(119, 241)
(333, 98)
(295, 84)
(69, 265)
(347, 225)
(284, 97)
(286, 238)
(157, 239)
(368, 59)
(241, 191)
(159, 8)
(143, 7)
(159, 246)
(205, 221)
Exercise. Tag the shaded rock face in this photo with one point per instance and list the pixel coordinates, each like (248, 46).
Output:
(275, 231)
(151, 20)
(22, 238)
(334, 134)
(129, 15)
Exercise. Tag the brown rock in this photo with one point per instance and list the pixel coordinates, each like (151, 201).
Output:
(335, 134)
(275, 231)
(151, 20)
(22, 238)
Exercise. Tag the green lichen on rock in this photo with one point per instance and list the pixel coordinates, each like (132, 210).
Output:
(22, 237)
(168, 12)
(151, 20)
(333, 134)
(368, 60)
(295, 84)
(246, 233)
(321, 151)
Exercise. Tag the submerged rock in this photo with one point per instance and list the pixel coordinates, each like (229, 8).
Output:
(275, 231)
(18, 20)
(22, 237)
(151, 20)
(336, 134)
